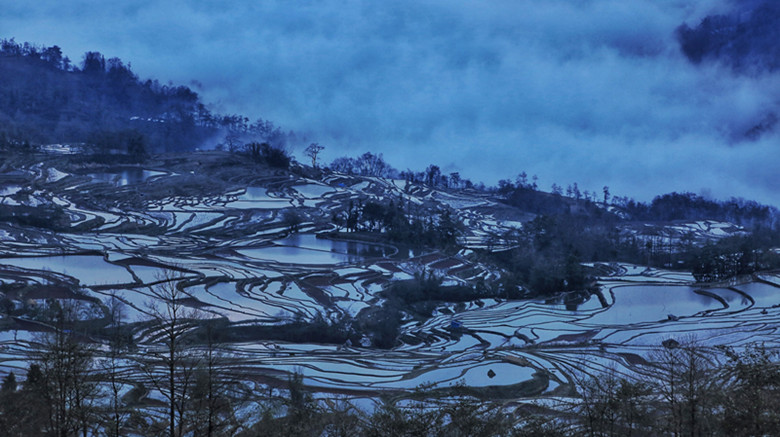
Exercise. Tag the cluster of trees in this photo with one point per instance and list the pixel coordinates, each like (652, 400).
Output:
(690, 207)
(400, 224)
(369, 164)
(734, 256)
(273, 156)
(686, 394)
(434, 177)
(545, 254)
(74, 387)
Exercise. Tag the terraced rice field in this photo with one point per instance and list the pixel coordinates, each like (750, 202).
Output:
(238, 261)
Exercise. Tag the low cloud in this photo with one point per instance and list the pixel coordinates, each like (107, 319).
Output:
(593, 91)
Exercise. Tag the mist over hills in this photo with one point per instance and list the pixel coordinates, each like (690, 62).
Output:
(745, 38)
(595, 92)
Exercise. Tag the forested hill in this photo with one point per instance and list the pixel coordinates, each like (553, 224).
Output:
(46, 98)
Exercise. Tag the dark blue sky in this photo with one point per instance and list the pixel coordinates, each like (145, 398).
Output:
(588, 91)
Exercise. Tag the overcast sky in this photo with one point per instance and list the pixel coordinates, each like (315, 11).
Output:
(588, 91)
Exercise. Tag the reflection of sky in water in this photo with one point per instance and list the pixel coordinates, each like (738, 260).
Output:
(650, 303)
(308, 249)
(129, 176)
(88, 269)
(257, 197)
(313, 191)
(256, 194)
(575, 302)
(734, 300)
(764, 295)
(298, 255)
(310, 241)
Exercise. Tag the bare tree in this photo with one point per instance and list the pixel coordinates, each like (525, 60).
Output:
(683, 377)
(169, 364)
(66, 363)
(119, 343)
(613, 405)
(212, 395)
(312, 152)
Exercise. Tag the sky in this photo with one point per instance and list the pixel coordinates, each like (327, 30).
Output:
(589, 91)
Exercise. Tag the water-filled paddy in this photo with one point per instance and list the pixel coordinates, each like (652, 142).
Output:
(88, 269)
(764, 295)
(127, 176)
(652, 303)
(308, 249)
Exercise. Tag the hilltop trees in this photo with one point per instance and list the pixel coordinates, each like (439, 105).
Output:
(312, 151)
(367, 164)
(264, 152)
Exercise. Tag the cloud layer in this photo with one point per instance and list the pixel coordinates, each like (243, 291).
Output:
(592, 91)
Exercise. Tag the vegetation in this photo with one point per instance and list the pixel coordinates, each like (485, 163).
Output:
(101, 106)
(683, 393)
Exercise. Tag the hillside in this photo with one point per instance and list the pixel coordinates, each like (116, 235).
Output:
(101, 104)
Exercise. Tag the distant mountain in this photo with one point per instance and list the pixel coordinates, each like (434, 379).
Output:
(746, 38)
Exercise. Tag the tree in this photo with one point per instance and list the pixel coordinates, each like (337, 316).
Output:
(119, 344)
(414, 420)
(274, 156)
(212, 411)
(169, 363)
(432, 175)
(373, 213)
(94, 64)
(752, 392)
(65, 381)
(470, 418)
(312, 152)
(292, 219)
(25, 412)
(455, 180)
(683, 378)
(522, 180)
